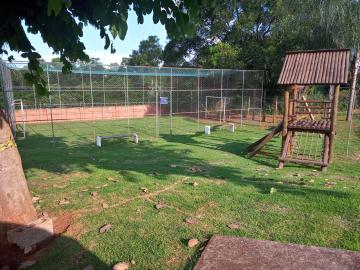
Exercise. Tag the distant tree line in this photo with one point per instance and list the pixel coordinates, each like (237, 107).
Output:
(256, 34)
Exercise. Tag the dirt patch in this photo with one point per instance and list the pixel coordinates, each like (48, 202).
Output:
(273, 208)
(339, 222)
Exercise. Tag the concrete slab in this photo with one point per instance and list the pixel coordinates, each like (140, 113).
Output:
(230, 253)
(31, 234)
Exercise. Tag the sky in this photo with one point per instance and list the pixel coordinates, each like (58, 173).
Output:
(95, 45)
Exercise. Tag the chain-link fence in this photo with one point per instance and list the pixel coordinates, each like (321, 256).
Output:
(106, 100)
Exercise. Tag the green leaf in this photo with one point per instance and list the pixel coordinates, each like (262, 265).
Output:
(54, 6)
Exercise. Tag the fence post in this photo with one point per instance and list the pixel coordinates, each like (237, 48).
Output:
(171, 86)
(143, 87)
(222, 101)
(263, 109)
(242, 99)
(82, 86)
(127, 100)
(59, 89)
(275, 111)
(103, 83)
(91, 88)
(156, 106)
(51, 116)
(198, 100)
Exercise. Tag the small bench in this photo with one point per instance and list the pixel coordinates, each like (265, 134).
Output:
(134, 137)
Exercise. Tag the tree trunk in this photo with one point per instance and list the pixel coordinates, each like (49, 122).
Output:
(353, 88)
(15, 200)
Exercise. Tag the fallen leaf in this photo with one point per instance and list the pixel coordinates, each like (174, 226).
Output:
(273, 190)
(105, 228)
(234, 226)
(195, 184)
(89, 267)
(64, 201)
(110, 178)
(173, 165)
(191, 220)
(27, 250)
(329, 184)
(195, 169)
(94, 193)
(26, 264)
(192, 242)
(143, 189)
(105, 205)
(35, 199)
(60, 186)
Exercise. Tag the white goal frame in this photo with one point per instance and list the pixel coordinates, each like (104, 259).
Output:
(23, 116)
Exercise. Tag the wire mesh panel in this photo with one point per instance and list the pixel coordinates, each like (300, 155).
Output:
(100, 100)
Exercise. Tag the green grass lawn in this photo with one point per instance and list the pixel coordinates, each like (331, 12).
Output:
(309, 207)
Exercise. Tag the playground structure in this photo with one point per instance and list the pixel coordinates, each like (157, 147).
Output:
(305, 122)
(95, 93)
(309, 125)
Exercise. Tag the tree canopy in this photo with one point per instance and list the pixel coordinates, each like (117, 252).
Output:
(256, 34)
(148, 53)
(60, 24)
(251, 34)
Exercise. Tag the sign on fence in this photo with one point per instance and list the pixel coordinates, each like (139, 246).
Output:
(164, 100)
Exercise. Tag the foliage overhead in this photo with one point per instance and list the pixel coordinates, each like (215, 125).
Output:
(148, 54)
(259, 32)
(60, 24)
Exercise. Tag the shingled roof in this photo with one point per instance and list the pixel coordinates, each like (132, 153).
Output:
(315, 67)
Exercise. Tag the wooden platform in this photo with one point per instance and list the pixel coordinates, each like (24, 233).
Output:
(320, 126)
(232, 253)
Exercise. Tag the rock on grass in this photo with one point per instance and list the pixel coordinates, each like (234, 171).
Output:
(121, 266)
(160, 205)
(192, 242)
(105, 228)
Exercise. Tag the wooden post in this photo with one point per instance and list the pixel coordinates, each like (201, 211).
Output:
(295, 96)
(325, 153)
(333, 120)
(353, 88)
(285, 125)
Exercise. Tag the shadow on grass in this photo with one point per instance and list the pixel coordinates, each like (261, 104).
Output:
(149, 158)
